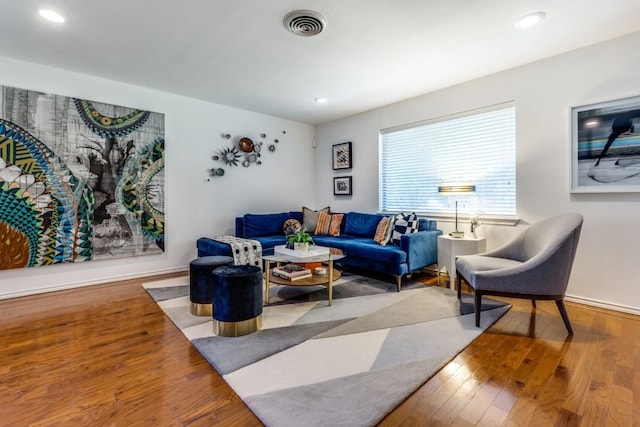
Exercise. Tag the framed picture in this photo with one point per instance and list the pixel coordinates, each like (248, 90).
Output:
(605, 141)
(342, 156)
(342, 186)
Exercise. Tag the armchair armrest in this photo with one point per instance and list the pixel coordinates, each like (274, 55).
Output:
(421, 248)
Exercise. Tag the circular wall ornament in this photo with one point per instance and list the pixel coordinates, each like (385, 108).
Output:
(246, 145)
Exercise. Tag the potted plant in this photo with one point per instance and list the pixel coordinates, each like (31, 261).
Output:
(300, 240)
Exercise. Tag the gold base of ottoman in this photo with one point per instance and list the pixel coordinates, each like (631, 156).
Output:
(236, 329)
(201, 309)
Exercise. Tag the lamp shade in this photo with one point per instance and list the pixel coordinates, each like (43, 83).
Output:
(456, 189)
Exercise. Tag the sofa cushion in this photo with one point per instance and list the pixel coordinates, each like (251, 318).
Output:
(364, 247)
(403, 224)
(258, 225)
(310, 218)
(329, 224)
(361, 224)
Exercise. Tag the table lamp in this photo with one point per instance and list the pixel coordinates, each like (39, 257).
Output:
(456, 190)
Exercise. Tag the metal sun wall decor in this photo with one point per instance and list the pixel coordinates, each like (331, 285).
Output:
(79, 180)
(244, 151)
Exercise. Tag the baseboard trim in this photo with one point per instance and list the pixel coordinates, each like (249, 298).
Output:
(83, 284)
(603, 304)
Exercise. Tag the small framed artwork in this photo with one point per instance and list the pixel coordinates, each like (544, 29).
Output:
(342, 156)
(605, 146)
(342, 186)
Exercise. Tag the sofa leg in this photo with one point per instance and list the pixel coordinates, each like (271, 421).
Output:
(398, 281)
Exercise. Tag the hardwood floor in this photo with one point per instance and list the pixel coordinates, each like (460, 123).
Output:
(107, 356)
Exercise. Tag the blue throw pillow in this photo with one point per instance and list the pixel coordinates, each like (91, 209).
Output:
(259, 225)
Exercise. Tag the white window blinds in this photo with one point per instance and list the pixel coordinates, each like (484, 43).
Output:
(476, 148)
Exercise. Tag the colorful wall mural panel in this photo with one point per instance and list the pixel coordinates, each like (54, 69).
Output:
(79, 180)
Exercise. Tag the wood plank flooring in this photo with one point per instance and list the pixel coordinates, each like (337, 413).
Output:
(107, 356)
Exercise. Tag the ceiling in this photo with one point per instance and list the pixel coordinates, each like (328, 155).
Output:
(237, 53)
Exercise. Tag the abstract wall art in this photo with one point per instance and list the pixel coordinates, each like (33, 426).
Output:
(79, 180)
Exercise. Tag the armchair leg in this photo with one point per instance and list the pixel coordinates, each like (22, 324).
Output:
(478, 306)
(533, 303)
(459, 284)
(565, 317)
(398, 281)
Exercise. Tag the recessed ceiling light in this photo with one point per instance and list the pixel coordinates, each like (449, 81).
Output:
(321, 100)
(52, 16)
(529, 20)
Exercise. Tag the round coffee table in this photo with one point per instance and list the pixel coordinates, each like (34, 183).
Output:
(317, 254)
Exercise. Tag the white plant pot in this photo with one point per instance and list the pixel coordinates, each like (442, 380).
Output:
(301, 246)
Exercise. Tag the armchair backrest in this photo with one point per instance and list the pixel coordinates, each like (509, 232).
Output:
(547, 247)
(552, 233)
(546, 235)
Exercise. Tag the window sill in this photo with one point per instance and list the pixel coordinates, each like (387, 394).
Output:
(485, 219)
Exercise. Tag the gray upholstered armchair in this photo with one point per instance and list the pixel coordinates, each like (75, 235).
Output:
(535, 265)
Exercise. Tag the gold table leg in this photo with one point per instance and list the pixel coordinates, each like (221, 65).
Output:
(330, 284)
(266, 281)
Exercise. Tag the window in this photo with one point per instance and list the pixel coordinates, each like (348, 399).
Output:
(476, 147)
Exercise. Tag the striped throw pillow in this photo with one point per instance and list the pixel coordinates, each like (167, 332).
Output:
(328, 224)
(383, 231)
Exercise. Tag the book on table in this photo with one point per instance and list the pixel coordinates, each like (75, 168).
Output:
(291, 272)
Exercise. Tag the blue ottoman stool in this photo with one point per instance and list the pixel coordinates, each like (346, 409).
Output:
(201, 283)
(237, 300)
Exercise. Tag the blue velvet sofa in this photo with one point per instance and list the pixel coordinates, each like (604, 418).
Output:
(416, 250)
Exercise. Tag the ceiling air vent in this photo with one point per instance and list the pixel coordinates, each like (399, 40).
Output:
(304, 23)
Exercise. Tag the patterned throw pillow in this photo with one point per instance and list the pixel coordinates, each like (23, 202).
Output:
(329, 224)
(291, 226)
(383, 231)
(310, 218)
(404, 224)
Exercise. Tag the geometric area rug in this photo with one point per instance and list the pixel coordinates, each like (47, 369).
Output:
(349, 364)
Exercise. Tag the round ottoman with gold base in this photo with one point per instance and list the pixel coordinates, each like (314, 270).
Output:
(237, 300)
(201, 282)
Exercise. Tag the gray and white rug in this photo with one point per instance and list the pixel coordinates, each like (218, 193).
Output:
(348, 364)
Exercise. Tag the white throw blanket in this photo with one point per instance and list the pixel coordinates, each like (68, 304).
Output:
(244, 251)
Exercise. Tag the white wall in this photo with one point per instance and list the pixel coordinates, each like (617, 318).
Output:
(606, 269)
(194, 207)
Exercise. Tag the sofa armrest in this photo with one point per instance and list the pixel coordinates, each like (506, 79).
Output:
(240, 226)
(209, 247)
(421, 248)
